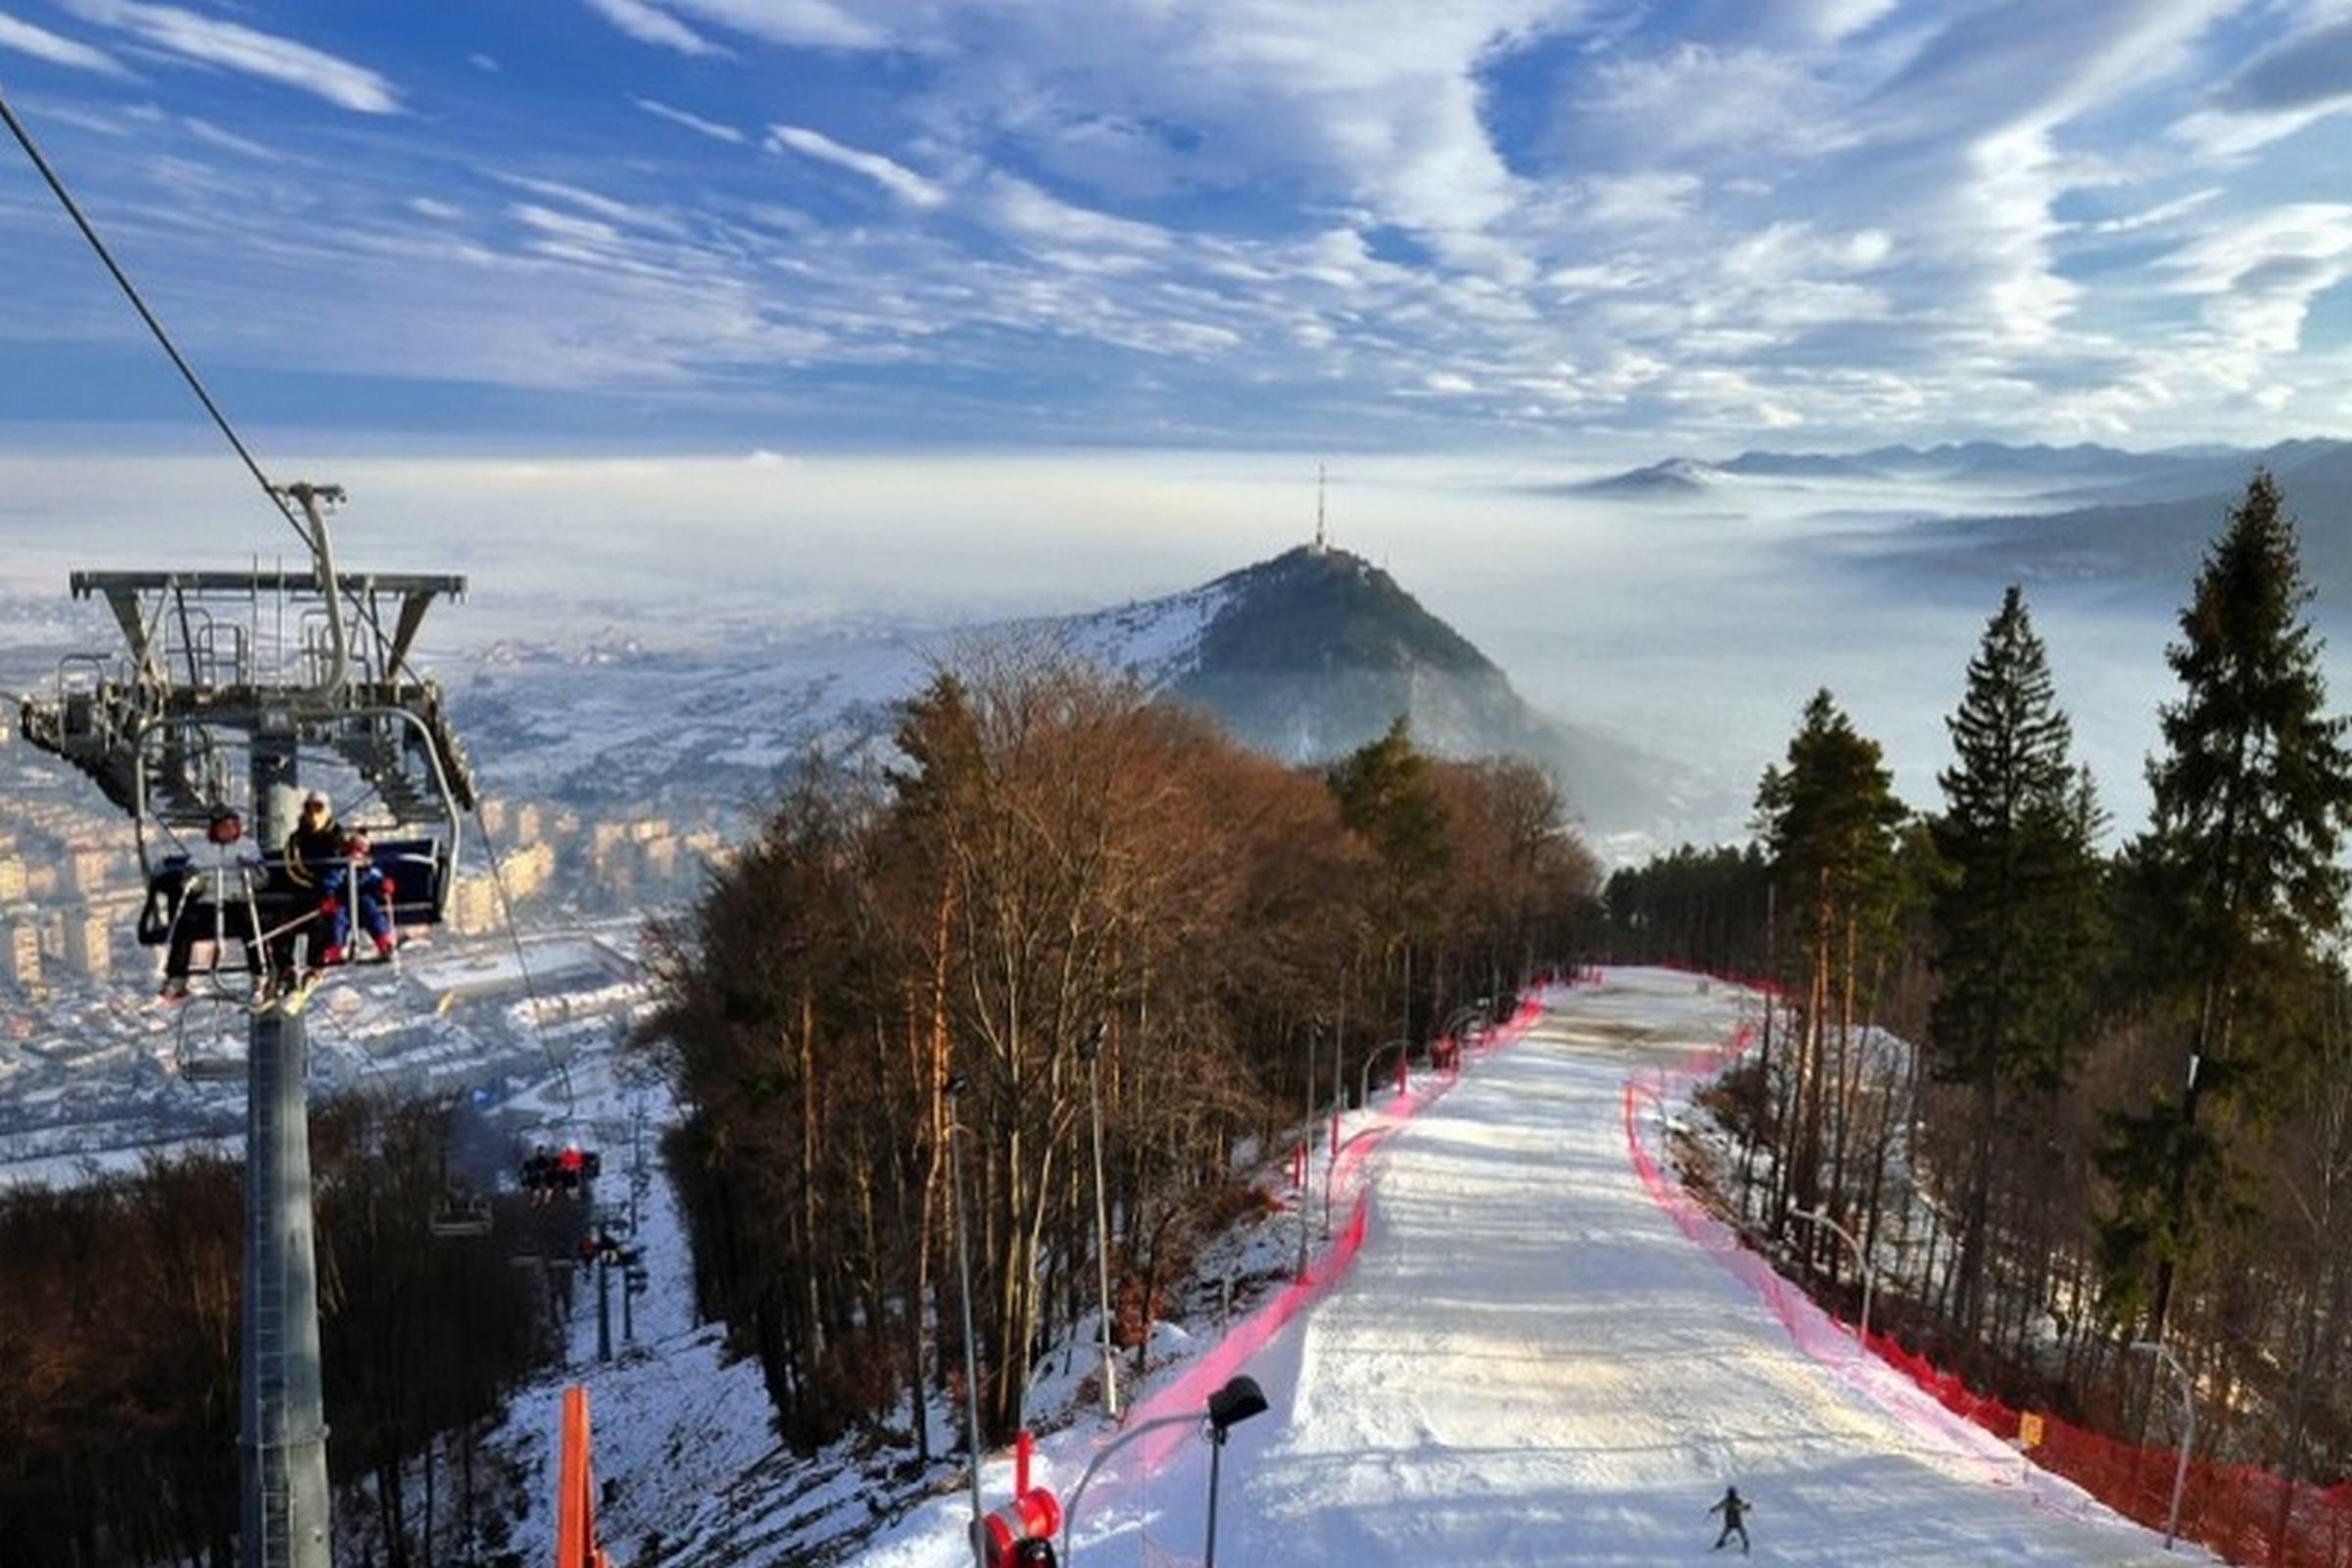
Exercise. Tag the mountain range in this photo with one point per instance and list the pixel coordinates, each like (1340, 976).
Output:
(2049, 477)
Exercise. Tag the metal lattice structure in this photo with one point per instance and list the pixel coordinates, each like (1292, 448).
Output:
(243, 689)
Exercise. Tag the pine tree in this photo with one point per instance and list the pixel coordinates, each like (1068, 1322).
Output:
(2252, 795)
(1386, 797)
(2019, 882)
(1828, 821)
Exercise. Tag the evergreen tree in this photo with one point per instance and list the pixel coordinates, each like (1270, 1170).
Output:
(1828, 821)
(1387, 798)
(2019, 883)
(2252, 795)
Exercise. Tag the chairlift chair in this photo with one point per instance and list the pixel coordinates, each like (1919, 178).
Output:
(305, 670)
(461, 1214)
(209, 1040)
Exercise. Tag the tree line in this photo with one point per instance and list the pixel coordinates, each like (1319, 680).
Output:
(2129, 1112)
(119, 1302)
(1059, 890)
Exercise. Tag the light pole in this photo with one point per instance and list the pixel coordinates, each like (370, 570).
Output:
(1861, 1262)
(1453, 1031)
(2189, 1430)
(1338, 1102)
(957, 1083)
(1231, 1406)
(1307, 1139)
(1091, 1050)
(1363, 1076)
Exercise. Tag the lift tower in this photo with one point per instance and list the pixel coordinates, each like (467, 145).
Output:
(240, 689)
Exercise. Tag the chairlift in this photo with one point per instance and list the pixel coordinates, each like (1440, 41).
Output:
(461, 1214)
(549, 1169)
(240, 690)
(209, 1040)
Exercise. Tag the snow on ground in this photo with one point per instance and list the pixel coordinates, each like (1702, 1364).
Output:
(1531, 1364)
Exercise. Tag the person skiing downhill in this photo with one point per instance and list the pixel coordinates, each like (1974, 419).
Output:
(1733, 1507)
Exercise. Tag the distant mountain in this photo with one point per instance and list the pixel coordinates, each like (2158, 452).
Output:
(1985, 462)
(1676, 476)
(1306, 656)
(1313, 652)
(2084, 475)
(2159, 543)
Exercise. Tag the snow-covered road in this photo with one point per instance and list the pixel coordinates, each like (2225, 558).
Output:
(1531, 1364)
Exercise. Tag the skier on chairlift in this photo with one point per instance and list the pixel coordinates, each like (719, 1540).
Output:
(218, 913)
(320, 858)
(370, 892)
(539, 1176)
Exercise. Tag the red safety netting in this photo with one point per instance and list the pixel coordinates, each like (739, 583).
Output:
(2247, 1515)
(1191, 1390)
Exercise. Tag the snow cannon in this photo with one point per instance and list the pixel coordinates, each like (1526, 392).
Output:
(1031, 1515)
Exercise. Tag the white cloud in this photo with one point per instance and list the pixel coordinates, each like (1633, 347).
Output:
(2158, 216)
(895, 177)
(203, 131)
(232, 46)
(1633, 201)
(1026, 210)
(440, 212)
(40, 43)
(625, 214)
(649, 23)
(692, 122)
(802, 24)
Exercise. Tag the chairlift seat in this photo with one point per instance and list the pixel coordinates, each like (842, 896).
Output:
(213, 1069)
(460, 1217)
(417, 868)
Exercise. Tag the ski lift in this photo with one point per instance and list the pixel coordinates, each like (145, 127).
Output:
(460, 1213)
(236, 685)
(209, 1043)
(547, 1170)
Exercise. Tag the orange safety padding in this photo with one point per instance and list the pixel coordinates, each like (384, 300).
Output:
(575, 1499)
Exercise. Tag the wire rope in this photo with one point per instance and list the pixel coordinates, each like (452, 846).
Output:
(57, 187)
(522, 966)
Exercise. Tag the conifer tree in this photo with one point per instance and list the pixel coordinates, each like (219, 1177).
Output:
(1829, 819)
(2253, 791)
(2018, 887)
(1386, 797)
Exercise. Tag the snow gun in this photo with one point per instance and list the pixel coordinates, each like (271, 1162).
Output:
(1033, 1516)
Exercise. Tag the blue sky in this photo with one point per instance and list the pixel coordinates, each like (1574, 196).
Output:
(1393, 225)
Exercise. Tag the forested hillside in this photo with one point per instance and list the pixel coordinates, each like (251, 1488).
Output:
(2129, 1113)
(1061, 884)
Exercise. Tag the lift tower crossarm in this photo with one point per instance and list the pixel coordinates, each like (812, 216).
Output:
(274, 580)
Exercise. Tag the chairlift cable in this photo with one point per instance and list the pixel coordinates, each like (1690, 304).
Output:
(523, 965)
(130, 291)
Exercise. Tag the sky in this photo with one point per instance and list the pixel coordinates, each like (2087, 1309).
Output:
(1612, 229)
(747, 318)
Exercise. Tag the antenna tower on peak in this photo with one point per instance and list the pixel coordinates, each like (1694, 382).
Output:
(1322, 534)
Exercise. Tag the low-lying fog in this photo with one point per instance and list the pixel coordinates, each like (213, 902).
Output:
(1692, 627)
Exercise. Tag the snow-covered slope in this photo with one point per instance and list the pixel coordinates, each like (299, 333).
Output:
(1529, 1364)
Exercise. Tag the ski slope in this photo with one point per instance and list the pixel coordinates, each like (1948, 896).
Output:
(1531, 1364)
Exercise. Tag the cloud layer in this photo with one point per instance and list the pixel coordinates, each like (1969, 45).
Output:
(1491, 220)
